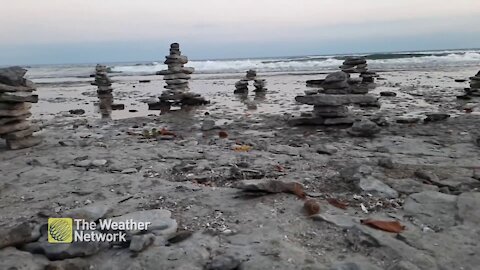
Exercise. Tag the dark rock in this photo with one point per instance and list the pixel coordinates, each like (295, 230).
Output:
(144, 81)
(364, 128)
(386, 163)
(77, 111)
(14, 259)
(336, 100)
(388, 94)
(433, 117)
(118, 107)
(18, 235)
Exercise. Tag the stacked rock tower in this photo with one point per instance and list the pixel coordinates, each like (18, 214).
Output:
(16, 98)
(104, 90)
(176, 77)
(330, 103)
(359, 65)
(241, 87)
(475, 85)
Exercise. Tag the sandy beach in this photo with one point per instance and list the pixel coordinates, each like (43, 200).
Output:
(424, 175)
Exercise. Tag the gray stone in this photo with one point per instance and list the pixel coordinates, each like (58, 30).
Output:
(386, 163)
(65, 251)
(376, 187)
(15, 97)
(407, 120)
(388, 94)
(342, 221)
(141, 242)
(326, 149)
(409, 186)
(24, 233)
(364, 128)
(25, 142)
(468, 205)
(12, 76)
(224, 262)
(14, 259)
(352, 265)
(338, 121)
(99, 162)
(9, 88)
(434, 209)
(134, 170)
(17, 135)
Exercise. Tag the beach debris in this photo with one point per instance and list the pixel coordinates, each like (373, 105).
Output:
(16, 98)
(388, 226)
(330, 104)
(176, 77)
(272, 186)
(241, 87)
(311, 206)
(337, 203)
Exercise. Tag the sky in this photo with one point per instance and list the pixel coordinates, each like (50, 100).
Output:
(90, 31)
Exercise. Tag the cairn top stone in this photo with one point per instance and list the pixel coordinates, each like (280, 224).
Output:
(13, 76)
(175, 46)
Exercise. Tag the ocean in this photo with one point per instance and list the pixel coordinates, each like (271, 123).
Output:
(414, 60)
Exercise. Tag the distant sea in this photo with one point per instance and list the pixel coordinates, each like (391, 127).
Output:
(312, 63)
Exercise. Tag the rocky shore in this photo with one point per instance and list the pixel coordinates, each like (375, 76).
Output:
(231, 187)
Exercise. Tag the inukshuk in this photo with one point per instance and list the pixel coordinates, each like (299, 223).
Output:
(331, 101)
(176, 77)
(241, 87)
(16, 98)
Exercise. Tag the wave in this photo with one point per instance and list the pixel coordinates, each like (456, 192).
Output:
(379, 61)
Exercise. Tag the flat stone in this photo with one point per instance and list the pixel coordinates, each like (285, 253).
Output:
(14, 259)
(434, 117)
(335, 85)
(468, 205)
(177, 76)
(177, 81)
(338, 76)
(12, 127)
(326, 149)
(338, 121)
(9, 88)
(208, 124)
(223, 262)
(6, 120)
(388, 94)
(15, 97)
(140, 242)
(12, 76)
(99, 162)
(335, 100)
(25, 142)
(407, 120)
(133, 170)
(409, 186)
(372, 185)
(432, 208)
(342, 221)
(17, 135)
(354, 265)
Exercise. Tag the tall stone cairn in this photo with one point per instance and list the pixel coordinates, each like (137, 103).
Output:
(16, 98)
(104, 90)
(330, 103)
(176, 77)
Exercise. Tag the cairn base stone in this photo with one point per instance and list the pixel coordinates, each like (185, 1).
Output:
(22, 143)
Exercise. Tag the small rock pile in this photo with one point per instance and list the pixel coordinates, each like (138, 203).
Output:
(330, 106)
(16, 98)
(241, 87)
(176, 78)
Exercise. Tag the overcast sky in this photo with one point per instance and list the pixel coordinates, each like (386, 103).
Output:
(89, 31)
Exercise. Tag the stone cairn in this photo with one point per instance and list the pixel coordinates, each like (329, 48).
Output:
(104, 90)
(330, 103)
(176, 78)
(359, 65)
(474, 86)
(241, 87)
(16, 98)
